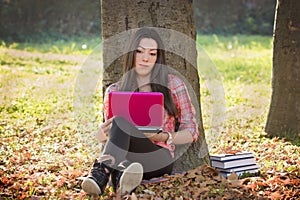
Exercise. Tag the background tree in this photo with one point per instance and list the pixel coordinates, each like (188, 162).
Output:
(284, 114)
(23, 19)
(119, 16)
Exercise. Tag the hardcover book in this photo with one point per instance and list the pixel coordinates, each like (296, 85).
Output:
(239, 168)
(233, 163)
(238, 173)
(225, 157)
(239, 163)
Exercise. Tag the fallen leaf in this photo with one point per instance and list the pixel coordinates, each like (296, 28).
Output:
(61, 181)
(5, 181)
(200, 178)
(233, 176)
(276, 195)
(210, 171)
(75, 173)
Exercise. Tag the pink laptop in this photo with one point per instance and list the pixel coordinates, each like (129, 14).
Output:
(143, 109)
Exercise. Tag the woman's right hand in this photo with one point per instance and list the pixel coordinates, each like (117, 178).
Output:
(102, 133)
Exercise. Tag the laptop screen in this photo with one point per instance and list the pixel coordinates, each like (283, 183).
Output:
(139, 108)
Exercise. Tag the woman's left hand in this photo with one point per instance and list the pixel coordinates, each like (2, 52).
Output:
(102, 133)
(151, 136)
(157, 137)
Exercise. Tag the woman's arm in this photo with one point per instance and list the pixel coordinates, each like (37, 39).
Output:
(102, 133)
(187, 114)
(188, 129)
(180, 137)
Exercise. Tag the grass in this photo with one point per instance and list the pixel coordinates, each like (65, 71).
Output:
(45, 146)
(246, 59)
(72, 45)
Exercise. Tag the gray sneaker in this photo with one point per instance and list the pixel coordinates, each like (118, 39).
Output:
(131, 178)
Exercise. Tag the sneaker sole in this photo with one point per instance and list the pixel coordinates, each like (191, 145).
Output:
(131, 178)
(90, 186)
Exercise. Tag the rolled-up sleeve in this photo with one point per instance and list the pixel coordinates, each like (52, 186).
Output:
(187, 113)
(111, 88)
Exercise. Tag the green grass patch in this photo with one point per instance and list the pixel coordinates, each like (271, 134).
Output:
(70, 45)
(246, 59)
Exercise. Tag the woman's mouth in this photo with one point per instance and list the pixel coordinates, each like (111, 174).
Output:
(143, 65)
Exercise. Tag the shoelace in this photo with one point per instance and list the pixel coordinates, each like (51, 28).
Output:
(104, 158)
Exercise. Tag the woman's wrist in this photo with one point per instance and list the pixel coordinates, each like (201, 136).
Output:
(165, 137)
(161, 136)
(169, 139)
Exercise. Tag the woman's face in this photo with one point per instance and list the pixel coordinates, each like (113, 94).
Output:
(145, 58)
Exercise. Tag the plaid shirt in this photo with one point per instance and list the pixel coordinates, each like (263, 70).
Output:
(181, 98)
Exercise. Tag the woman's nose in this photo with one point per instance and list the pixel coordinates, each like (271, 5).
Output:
(145, 58)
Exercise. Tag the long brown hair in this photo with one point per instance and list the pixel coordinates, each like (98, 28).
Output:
(159, 74)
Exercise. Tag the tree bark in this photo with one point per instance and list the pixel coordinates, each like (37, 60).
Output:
(177, 15)
(284, 114)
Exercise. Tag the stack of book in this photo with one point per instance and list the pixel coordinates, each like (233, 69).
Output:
(240, 163)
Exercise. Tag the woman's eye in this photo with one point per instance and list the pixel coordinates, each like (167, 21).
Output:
(153, 54)
(138, 51)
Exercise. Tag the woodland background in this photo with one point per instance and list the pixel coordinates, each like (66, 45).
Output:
(20, 19)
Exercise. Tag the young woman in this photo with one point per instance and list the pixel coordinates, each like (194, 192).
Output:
(130, 155)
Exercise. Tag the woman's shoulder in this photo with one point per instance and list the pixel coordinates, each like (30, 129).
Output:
(113, 87)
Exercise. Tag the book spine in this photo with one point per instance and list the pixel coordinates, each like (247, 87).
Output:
(242, 168)
(240, 173)
(231, 158)
(234, 163)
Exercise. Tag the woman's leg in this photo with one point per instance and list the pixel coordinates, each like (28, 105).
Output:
(119, 139)
(155, 160)
(127, 142)
(115, 152)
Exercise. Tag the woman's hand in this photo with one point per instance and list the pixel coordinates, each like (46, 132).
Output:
(151, 136)
(157, 137)
(181, 137)
(102, 133)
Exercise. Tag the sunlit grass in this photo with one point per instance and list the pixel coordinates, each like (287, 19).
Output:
(72, 45)
(240, 42)
(245, 66)
(240, 58)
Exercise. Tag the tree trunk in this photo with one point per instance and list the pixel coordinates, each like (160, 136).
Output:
(284, 114)
(177, 15)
